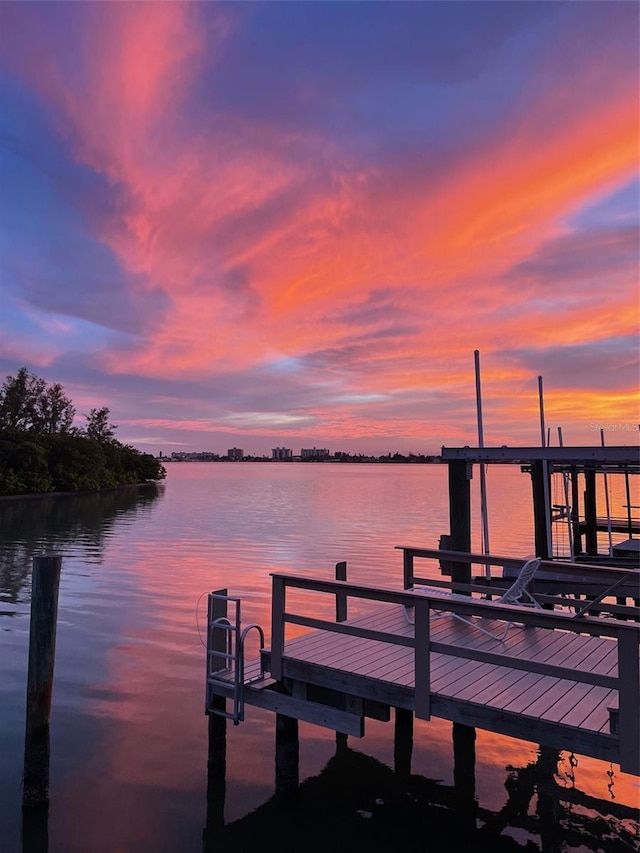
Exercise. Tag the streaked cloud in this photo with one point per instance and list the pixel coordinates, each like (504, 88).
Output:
(301, 219)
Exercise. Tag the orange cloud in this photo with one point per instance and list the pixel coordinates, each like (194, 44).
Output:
(267, 240)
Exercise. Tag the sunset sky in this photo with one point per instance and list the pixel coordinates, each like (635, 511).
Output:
(291, 224)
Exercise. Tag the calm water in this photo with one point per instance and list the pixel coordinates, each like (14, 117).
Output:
(128, 732)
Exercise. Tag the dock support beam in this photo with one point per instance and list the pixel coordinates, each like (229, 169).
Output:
(590, 513)
(575, 514)
(403, 742)
(463, 736)
(541, 509)
(464, 778)
(216, 772)
(460, 516)
(287, 756)
(341, 616)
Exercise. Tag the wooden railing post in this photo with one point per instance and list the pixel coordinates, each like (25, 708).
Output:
(341, 616)
(45, 585)
(422, 655)
(277, 627)
(407, 568)
(402, 741)
(287, 756)
(629, 702)
(341, 597)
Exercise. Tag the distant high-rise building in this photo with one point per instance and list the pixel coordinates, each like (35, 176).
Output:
(314, 453)
(281, 453)
(235, 453)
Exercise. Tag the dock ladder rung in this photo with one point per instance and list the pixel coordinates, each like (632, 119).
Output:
(231, 649)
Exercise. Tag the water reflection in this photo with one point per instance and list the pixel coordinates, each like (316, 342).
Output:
(128, 733)
(357, 802)
(33, 525)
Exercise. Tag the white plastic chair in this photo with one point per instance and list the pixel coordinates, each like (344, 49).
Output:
(517, 593)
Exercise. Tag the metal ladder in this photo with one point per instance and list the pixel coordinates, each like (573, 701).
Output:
(225, 653)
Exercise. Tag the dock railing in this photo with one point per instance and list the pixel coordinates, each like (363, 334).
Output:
(569, 580)
(626, 634)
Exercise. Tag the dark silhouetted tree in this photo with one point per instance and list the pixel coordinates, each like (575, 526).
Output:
(19, 398)
(54, 411)
(98, 426)
(40, 450)
(27, 404)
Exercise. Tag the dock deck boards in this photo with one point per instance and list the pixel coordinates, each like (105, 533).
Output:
(498, 687)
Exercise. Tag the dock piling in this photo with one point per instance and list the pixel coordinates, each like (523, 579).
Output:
(403, 742)
(287, 756)
(464, 777)
(460, 517)
(45, 586)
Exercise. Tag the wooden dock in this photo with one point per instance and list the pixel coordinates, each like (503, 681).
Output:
(561, 678)
(566, 676)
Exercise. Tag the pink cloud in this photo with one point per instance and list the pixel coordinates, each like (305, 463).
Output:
(257, 234)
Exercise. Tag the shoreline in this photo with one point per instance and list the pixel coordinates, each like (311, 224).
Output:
(35, 495)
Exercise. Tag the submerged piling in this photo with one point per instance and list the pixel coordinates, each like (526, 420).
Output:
(464, 777)
(42, 646)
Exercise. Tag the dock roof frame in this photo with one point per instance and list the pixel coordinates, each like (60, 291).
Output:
(623, 455)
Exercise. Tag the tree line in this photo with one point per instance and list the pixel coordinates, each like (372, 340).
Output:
(42, 451)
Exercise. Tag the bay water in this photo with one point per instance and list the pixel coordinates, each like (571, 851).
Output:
(128, 731)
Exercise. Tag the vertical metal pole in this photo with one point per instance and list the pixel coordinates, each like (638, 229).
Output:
(542, 432)
(567, 503)
(483, 482)
(606, 498)
(545, 471)
(628, 493)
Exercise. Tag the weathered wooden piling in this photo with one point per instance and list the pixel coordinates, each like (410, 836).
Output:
(464, 777)
(541, 518)
(45, 585)
(216, 774)
(403, 742)
(460, 517)
(287, 756)
(460, 538)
